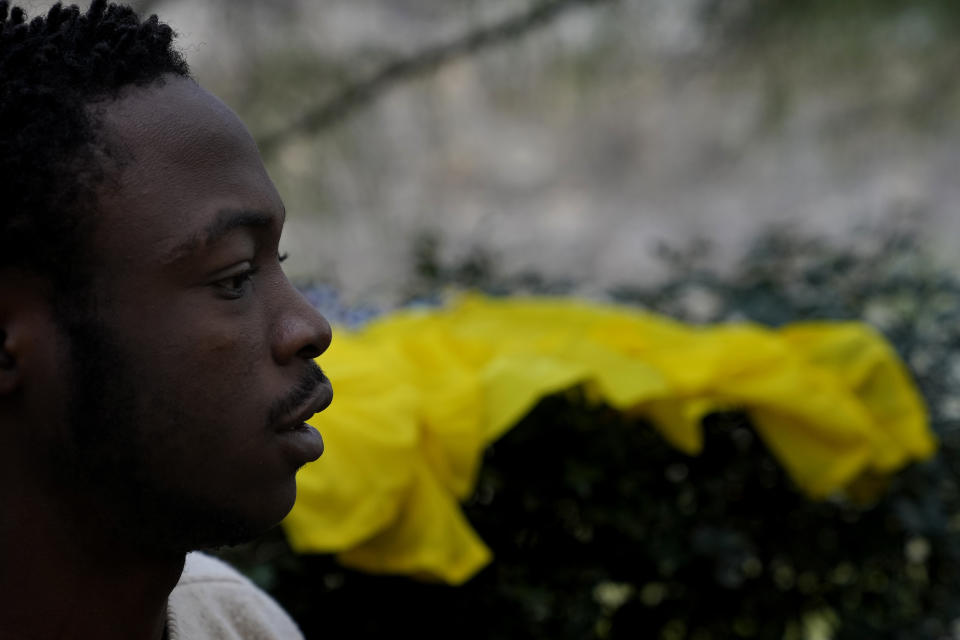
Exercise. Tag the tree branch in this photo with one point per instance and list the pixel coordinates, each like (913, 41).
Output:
(361, 92)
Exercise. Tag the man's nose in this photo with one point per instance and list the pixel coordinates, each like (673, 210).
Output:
(302, 331)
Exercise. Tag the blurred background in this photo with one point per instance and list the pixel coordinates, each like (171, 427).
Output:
(715, 160)
(586, 136)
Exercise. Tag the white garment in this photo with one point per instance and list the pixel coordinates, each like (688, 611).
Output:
(212, 601)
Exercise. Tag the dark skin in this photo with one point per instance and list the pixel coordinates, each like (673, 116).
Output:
(209, 354)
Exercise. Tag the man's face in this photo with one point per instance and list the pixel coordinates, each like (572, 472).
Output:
(190, 368)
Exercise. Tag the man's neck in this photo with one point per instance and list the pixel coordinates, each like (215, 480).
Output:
(65, 579)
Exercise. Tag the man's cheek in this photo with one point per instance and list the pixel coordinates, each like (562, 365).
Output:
(226, 377)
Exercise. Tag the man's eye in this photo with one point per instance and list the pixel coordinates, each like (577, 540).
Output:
(236, 285)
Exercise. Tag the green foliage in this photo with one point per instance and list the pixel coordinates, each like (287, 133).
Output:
(602, 530)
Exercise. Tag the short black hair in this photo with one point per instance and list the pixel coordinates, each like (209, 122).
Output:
(52, 156)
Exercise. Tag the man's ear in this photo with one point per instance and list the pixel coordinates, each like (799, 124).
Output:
(7, 363)
(6, 360)
(25, 321)
(9, 376)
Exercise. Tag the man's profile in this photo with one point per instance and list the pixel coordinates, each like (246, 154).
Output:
(156, 366)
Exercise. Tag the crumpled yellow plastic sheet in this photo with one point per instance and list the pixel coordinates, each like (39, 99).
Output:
(421, 393)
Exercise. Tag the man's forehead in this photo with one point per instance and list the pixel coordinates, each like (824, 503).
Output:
(172, 116)
(224, 222)
(189, 172)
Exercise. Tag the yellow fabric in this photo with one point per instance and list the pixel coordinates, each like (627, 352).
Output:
(420, 394)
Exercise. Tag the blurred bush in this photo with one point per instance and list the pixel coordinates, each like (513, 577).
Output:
(602, 530)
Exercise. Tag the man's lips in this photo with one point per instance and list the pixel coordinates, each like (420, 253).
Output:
(319, 401)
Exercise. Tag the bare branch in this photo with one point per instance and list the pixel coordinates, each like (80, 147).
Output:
(361, 92)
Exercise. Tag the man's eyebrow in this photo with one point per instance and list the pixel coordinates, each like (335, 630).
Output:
(225, 221)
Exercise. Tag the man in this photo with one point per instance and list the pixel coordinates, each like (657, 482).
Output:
(156, 366)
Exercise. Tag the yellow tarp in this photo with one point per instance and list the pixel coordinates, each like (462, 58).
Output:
(420, 394)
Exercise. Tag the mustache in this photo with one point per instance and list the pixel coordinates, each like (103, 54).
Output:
(304, 390)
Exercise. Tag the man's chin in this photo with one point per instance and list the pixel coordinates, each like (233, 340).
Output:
(177, 525)
(217, 534)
